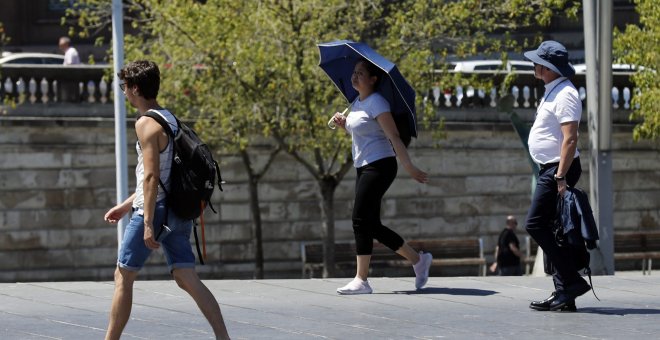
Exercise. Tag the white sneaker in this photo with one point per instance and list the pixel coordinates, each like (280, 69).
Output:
(357, 286)
(421, 269)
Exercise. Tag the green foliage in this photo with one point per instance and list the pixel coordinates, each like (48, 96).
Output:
(640, 45)
(7, 102)
(277, 60)
(245, 69)
(4, 38)
(251, 67)
(420, 34)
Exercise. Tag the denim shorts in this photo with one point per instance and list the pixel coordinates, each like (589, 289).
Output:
(174, 240)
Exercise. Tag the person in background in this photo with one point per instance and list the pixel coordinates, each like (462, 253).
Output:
(71, 56)
(507, 251)
(375, 147)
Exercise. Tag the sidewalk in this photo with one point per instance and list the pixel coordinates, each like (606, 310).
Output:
(449, 308)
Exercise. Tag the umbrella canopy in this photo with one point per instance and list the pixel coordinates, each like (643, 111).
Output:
(338, 59)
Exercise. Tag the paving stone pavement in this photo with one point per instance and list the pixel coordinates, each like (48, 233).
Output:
(448, 308)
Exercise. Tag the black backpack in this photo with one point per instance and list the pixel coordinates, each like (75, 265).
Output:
(193, 174)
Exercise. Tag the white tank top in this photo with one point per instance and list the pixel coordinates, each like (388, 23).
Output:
(165, 165)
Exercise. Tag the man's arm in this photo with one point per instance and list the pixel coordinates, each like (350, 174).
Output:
(148, 131)
(569, 131)
(493, 267)
(514, 249)
(117, 212)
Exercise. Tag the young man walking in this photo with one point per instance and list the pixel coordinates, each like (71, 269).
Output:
(140, 84)
(553, 145)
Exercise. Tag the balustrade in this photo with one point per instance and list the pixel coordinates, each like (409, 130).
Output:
(525, 89)
(50, 84)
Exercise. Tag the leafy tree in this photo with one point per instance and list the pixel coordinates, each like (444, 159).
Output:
(250, 68)
(412, 33)
(640, 45)
(420, 35)
(194, 44)
(302, 98)
(258, 76)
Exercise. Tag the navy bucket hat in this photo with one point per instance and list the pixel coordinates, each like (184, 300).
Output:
(552, 55)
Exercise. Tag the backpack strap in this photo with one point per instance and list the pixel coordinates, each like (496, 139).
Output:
(587, 271)
(164, 123)
(199, 253)
(168, 129)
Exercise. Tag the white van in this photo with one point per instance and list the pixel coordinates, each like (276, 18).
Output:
(616, 68)
(492, 65)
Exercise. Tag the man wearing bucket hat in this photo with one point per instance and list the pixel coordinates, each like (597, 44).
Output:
(553, 145)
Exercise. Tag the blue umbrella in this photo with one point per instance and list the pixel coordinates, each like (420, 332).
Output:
(338, 59)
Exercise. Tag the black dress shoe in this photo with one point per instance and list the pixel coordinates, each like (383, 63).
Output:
(545, 304)
(563, 299)
(570, 307)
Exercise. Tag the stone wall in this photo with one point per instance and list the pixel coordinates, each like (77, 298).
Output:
(57, 178)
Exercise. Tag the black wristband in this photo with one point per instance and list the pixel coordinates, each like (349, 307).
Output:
(558, 178)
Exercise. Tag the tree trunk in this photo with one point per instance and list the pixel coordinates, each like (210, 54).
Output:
(328, 184)
(257, 242)
(256, 222)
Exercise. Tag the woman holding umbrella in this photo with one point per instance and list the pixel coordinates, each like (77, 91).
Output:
(376, 144)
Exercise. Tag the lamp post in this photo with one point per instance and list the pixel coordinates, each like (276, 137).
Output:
(598, 55)
(120, 112)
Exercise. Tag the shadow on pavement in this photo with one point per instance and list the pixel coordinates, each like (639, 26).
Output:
(448, 291)
(618, 311)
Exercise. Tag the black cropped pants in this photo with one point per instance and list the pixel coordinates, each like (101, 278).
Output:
(372, 182)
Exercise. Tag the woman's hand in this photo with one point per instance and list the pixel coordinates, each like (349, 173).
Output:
(339, 119)
(417, 174)
(389, 127)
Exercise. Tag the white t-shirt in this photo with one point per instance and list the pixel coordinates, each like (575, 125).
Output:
(165, 164)
(369, 141)
(71, 56)
(561, 104)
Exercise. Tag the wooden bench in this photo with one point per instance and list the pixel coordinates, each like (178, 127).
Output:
(446, 252)
(644, 246)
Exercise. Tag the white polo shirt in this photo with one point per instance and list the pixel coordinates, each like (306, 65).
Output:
(560, 104)
(369, 141)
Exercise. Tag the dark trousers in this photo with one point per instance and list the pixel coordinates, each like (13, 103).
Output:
(372, 182)
(509, 271)
(540, 219)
